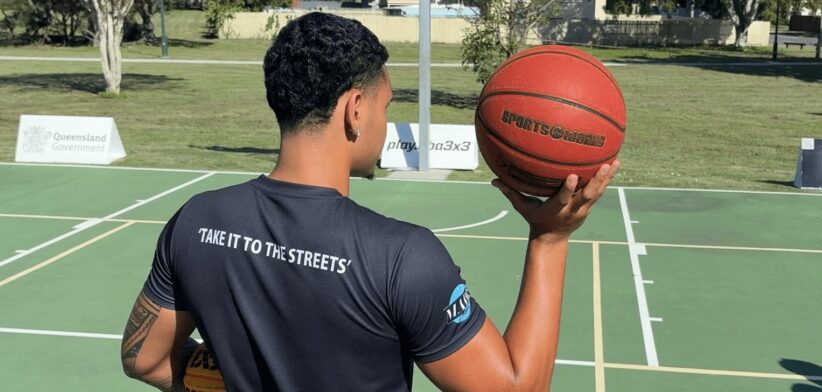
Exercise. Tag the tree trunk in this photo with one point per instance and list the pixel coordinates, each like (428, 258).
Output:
(147, 34)
(93, 31)
(10, 22)
(741, 37)
(742, 13)
(111, 15)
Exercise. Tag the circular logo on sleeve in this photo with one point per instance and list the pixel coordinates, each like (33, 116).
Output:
(459, 306)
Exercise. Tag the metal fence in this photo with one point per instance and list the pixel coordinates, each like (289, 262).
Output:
(651, 33)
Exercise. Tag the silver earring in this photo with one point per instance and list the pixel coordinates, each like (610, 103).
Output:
(357, 132)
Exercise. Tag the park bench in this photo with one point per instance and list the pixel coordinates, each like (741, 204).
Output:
(800, 44)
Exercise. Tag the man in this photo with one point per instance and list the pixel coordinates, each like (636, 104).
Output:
(295, 287)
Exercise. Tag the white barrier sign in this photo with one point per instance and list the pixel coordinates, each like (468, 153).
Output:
(68, 139)
(451, 147)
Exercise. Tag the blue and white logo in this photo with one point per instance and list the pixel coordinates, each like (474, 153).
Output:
(459, 306)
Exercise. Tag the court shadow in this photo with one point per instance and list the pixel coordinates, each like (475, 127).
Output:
(816, 114)
(742, 65)
(811, 371)
(788, 184)
(247, 150)
(457, 101)
(185, 43)
(85, 82)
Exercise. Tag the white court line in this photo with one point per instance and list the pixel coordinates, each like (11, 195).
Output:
(468, 236)
(61, 333)
(80, 218)
(23, 331)
(722, 247)
(94, 222)
(642, 301)
(61, 255)
(715, 372)
(488, 183)
(485, 222)
(573, 363)
(149, 169)
(649, 188)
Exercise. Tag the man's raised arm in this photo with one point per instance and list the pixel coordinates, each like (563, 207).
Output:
(522, 359)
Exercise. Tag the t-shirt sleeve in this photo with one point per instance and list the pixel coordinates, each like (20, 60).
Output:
(432, 307)
(160, 284)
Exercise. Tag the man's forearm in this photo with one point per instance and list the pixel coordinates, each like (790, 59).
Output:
(533, 332)
(157, 344)
(169, 378)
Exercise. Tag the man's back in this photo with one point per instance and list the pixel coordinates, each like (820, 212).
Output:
(324, 323)
(296, 287)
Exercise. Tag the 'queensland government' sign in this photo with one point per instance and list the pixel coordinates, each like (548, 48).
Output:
(68, 139)
(450, 147)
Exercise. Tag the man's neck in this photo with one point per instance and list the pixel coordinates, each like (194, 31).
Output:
(313, 160)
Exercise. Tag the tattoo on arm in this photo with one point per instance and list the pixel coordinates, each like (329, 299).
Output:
(139, 324)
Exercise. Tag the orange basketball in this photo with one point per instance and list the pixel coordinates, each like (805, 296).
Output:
(202, 372)
(548, 112)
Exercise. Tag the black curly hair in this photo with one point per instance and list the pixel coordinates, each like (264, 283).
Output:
(313, 61)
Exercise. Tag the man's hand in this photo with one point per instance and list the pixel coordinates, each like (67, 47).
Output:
(556, 218)
(523, 358)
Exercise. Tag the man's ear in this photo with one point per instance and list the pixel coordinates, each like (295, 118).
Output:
(353, 111)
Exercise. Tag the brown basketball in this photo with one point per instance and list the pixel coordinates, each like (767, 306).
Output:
(548, 112)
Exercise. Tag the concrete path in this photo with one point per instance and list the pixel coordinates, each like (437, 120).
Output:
(434, 65)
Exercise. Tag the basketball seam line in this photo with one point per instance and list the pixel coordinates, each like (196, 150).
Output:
(558, 100)
(607, 75)
(493, 133)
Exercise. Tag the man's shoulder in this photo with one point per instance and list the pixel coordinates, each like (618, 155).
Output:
(219, 196)
(381, 228)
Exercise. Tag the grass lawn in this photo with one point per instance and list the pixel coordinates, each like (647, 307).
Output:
(705, 126)
(712, 127)
(185, 31)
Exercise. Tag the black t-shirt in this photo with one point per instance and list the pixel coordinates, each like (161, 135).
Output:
(298, 288)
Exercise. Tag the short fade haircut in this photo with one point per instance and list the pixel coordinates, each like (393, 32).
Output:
(313, 61)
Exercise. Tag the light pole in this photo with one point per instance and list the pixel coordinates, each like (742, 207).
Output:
(819, 37)
(776, 36)
(163, 37)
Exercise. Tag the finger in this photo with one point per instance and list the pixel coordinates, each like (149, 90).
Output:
(518, 200)
(566, 193)
(611, 174)
(592, 191)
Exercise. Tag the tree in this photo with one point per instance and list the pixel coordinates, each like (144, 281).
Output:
(147, 8)
(68, 15)
(110, 18)
(500, 31)
(741, 13)
(644, 7)
(219, 11)
(38, 15)
(11, 12)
